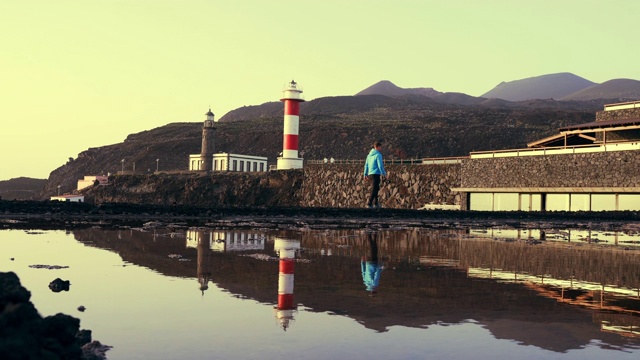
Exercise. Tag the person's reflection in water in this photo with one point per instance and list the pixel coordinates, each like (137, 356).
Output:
(371, 266)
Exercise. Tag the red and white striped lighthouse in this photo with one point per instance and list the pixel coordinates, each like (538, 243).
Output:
(286, 307)
(292, 98)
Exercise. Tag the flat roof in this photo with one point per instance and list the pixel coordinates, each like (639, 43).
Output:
(636, 102)
(561, 190)
(602, 124)
(67, 196)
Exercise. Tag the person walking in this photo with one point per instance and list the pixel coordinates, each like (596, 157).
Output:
(374, 171)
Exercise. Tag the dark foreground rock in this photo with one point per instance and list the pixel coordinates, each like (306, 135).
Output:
(24, 334)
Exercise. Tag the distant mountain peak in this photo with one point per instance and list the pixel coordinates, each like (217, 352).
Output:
(549, 86)
(615, 89)
(387, 88)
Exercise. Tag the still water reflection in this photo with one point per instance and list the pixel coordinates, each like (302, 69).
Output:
(316, 294)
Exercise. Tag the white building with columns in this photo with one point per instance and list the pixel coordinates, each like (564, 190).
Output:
(222, 161)
(230, 162)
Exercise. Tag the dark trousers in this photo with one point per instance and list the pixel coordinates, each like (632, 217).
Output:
(375, 187)
(373, 246)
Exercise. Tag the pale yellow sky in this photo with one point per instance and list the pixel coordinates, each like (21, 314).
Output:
(76, 74)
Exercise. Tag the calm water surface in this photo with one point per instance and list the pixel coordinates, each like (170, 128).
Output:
(432, 293)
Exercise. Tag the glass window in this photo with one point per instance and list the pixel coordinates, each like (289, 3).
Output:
(530, 202)
(525, 202)
(235, 165)
(557, 202)
(536, 202)
(241, 165)
(580, 202)
(505, 202)
(261, 167)
(603, 202)
(628, 202)
(481, 201)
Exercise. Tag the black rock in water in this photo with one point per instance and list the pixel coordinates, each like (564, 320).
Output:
(58, 285)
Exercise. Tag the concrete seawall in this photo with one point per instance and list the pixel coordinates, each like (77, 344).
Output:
(599, 169)
(408, 186)
(327, 185)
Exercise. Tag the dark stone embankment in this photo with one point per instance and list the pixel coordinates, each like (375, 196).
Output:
(24, 334)
(61, 215)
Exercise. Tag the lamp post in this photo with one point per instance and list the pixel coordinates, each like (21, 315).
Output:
(58, 190)
(122, 162)
(134, 166)
(157, 161)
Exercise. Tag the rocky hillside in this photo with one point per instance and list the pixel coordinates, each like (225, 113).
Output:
(21, 188)
(338, 127)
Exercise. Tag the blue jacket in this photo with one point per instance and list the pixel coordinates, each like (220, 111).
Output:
(371, 274)
(374, 164)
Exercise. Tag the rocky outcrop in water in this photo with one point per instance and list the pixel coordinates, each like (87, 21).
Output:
(59, 285)
(24, 334)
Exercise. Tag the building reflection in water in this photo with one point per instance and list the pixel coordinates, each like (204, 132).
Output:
(220, 241)
(436, 273)
(628, 238)
(286, 308)
(586, 268)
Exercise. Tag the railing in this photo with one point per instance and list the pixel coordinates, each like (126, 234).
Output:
(623, 105)
(556, 150)
(417, 161)
(444, 160)
(335, 161)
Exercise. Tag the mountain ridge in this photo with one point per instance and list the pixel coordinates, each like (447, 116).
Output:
(386, 87)
(564, 86)
(549, 86)
(21, 188)
(619, 89)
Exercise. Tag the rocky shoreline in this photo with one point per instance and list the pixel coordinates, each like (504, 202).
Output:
(45, 215)
(24, 334)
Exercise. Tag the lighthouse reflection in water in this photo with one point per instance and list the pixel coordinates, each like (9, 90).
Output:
(206, 242)
(285, 310)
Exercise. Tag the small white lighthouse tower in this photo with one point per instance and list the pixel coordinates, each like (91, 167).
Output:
(292, 98)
